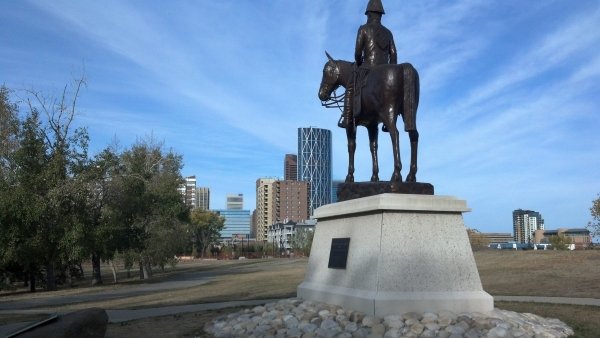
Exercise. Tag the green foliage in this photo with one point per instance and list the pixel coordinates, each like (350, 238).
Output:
(205, 227)
(560, 242)
(594, 224)
(302, 241)
(9, 132)
(148, 204)
(59, 207)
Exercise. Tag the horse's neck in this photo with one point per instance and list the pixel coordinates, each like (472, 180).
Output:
(346, 77)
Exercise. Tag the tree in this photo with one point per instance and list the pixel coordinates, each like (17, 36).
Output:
(477, 239)
(302, 241)
(9, 132)
(23, 233)
(39, 167)
(66, 150)
(95, 237)
(594, 224)
(150, 206)
(560, 242)
(205, 227)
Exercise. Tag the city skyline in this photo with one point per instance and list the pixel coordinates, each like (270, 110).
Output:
(507, 116)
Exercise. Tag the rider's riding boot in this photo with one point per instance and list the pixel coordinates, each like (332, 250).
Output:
(343, 123)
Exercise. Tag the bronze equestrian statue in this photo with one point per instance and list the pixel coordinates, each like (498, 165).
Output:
(389, 91)
(377, 90)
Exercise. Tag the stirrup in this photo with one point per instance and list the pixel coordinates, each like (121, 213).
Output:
(342, 123)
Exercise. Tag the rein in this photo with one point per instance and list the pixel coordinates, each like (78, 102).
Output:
(334, 102)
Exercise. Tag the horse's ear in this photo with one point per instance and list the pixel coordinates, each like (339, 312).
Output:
(329, 56)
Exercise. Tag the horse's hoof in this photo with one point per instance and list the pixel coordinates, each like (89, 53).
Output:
(374, 178)
(349, 179)
(396, 178)
(411, 178)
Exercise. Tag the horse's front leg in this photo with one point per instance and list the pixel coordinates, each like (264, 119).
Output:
(373, 135)
(390, 123)
(414, 145)
(351, 135)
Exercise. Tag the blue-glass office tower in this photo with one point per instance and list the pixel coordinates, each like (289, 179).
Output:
(237, 222)
(334, 190)
(314, 165)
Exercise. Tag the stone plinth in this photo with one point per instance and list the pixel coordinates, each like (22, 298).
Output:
(407, 253)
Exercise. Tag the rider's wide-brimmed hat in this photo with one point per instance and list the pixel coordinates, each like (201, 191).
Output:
(375, 6)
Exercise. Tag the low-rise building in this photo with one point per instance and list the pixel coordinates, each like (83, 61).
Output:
(282, 234)
(580, 237)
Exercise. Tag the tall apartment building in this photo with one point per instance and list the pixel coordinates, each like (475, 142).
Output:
(525, 223)
(290, 201)
(279, 201)
(264, 206)
(290, 167)
(314, 164)
(188, 191)
(235, 201)
(203, 198)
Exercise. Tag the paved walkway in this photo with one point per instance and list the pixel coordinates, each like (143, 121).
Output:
(552, 300)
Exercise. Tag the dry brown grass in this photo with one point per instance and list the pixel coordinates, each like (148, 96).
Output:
(584, 320)
(270, 283)
(540, 273)
(531, 273)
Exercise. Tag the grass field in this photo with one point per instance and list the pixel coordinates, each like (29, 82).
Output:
(531, 273)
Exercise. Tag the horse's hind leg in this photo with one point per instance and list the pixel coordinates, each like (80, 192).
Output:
(351, 135)
(393, 130)
(414, 144)
(373, 135)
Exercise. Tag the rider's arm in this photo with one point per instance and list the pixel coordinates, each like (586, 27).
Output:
(393, 55)
(358, 51)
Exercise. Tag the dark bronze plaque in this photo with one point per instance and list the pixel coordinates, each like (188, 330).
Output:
(338, 256)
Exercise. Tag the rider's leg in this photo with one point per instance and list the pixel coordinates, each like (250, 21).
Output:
(347, 113)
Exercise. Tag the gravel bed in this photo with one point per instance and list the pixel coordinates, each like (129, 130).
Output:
(306, 319)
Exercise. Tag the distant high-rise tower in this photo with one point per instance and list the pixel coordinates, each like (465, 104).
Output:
(279, 201)
(290, 201)
(290, 167)
(525, 223)
(264, 206)
(314, 164)
(188, 191)
(334, 190)
(203, 198)
(235, 201)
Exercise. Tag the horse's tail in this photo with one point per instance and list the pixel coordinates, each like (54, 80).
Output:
(410, 102)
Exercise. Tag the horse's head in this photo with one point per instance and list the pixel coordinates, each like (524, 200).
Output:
(330, 80)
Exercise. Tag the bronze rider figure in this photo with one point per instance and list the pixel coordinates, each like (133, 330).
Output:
(374, 46)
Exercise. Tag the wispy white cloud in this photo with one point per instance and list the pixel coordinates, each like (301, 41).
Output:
(508, 89)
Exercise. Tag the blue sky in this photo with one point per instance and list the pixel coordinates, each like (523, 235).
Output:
(510, 90)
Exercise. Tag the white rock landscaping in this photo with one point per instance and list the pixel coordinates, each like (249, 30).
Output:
(308, 319)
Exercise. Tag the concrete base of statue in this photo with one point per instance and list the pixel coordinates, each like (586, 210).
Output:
(403, 253)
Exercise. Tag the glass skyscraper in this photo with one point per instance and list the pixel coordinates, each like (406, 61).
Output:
(314, 164)
(237, 222)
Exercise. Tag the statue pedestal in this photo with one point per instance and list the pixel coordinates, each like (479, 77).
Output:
(394, 253)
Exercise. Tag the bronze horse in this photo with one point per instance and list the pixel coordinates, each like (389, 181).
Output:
(389, 91)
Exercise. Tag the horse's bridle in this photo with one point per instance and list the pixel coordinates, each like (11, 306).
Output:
(334, 102)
